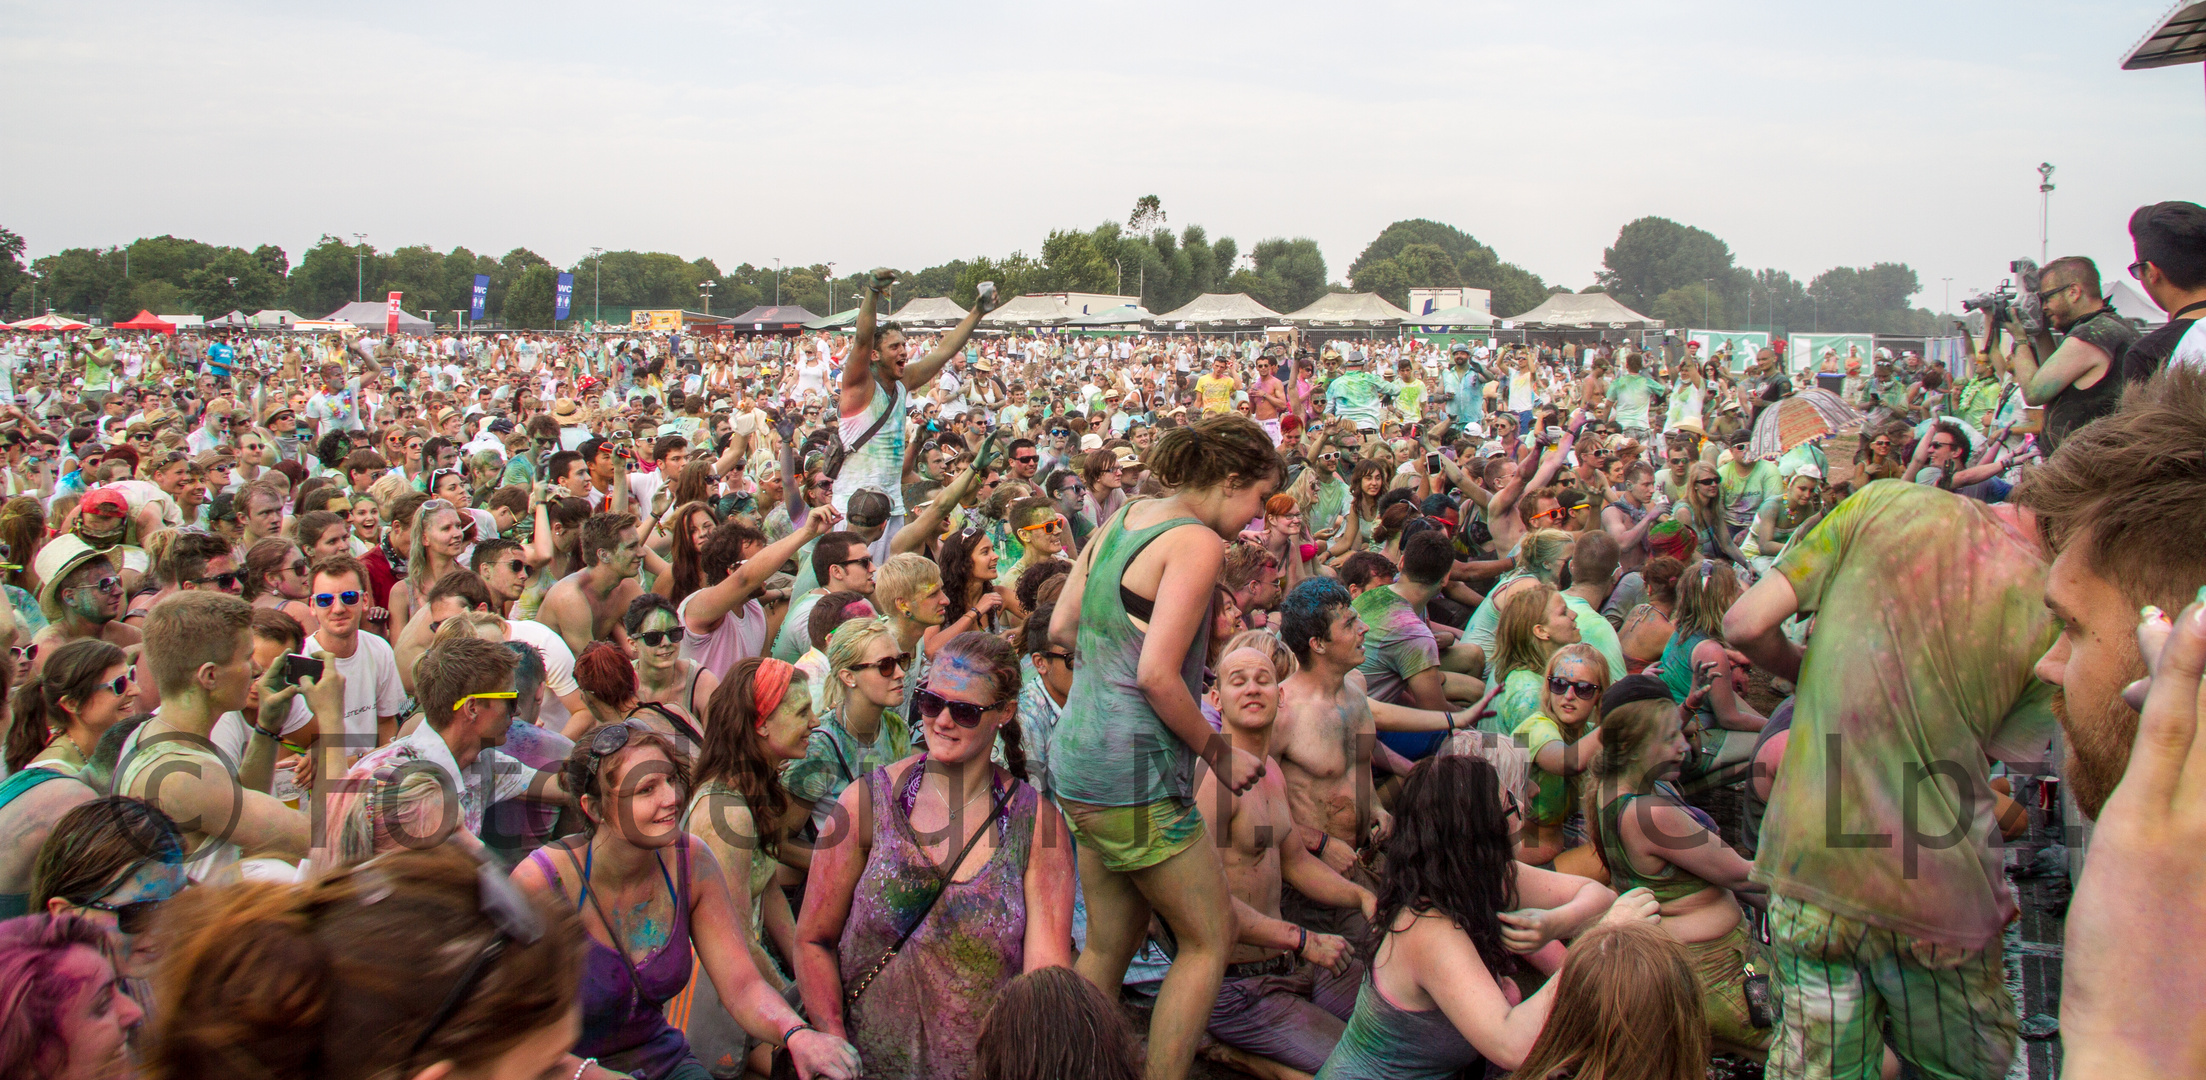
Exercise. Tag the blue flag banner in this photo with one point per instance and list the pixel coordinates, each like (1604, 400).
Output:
(563, 298)
(482, 293)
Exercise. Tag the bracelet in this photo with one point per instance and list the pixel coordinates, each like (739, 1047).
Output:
(793, 1029)
(1451, 721)
(1323, 839)
(1304, 943)
(273, 736)
(583, 1068)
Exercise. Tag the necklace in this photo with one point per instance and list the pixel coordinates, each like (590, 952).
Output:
(72, 753)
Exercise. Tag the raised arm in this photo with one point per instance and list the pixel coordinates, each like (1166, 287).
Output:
(918, 373)
(707, 606)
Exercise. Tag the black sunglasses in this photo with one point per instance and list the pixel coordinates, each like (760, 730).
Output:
(1558, 686)
(224, 581)
(964, 713)
(652, 639)
(888, 666)
(135, 917)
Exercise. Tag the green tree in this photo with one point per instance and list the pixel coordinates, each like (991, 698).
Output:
(528, 303)
(1148, 216)
(1515, 290)
(78, 281)
(233, 280)
(323, 280)
(1693, 305)
(13, 276)
(1288, 274)
(1071, 263)
(1415, 266)
(1654, 255)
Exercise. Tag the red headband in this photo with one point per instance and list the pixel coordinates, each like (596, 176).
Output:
(769, 685)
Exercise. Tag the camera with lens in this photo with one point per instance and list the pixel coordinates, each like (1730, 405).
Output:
(2007, 303)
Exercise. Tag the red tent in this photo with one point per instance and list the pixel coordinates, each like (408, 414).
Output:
(147, 320)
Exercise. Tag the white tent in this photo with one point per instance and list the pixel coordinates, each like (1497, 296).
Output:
(930, 311)
(274, 319)
(1596, 311)
(2131, 304)
(1462, 315)
(1122, 315)
(1217, 309)
(1052, 309)
(231, 321)
(184, 322)
(1351, 310)
(369, 315)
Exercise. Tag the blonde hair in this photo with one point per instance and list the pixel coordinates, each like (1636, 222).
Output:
(1515, 645)
(846, 647)
(1704, 592)
(1542, 553)
(1284, 664)
(904, 578)
(1584, 654)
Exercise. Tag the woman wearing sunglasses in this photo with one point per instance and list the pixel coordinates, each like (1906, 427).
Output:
(861, 726)
(1563, 738)
(1702, 510)
(114, 861)
(654, 905)
(663, 675)
(276, 577)
(1123, 755)
(946, 877)
(81, 690)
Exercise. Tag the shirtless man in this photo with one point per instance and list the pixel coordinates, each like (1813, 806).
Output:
(588, 604)
(1269, 400)
(1258, 1012)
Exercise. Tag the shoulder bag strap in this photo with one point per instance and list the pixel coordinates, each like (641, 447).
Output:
(620, 948)
(948, 878)
(887, 411)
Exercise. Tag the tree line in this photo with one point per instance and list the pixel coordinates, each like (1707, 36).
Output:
(1678, 273)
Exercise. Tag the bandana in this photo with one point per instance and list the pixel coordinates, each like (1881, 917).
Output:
(769, 685)
(1669, 538)
(391, 555)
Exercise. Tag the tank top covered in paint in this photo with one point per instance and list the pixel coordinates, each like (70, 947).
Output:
(1384, 1041)
(1113, 748)
(625, 1030)
(921, 1016)
(1674, 883)
(879, 464)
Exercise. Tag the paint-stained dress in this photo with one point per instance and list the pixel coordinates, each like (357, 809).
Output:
(1930, 613)
(920, 1018)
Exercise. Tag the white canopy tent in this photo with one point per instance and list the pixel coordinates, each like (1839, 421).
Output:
(1216, 310)
(2131, 304)
(1586, 311)
(369, 315)
(1453, 318)
(930, 311)
(1349, 310)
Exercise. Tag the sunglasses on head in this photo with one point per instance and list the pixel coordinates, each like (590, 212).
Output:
(1559, 686)
(348, 598)
(963, 713)
(888, 666)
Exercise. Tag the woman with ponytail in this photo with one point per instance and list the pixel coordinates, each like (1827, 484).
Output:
(1122, 758)
(82, 689)
(948, 877)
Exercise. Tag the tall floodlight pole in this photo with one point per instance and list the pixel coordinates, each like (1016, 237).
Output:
(597, 277)
(1947, 307)
(777, 282)
(830, 283)
(705, 288)
(2044, 209)
(360, 267)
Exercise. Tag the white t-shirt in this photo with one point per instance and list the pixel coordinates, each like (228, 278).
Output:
(2191, 350)
(230, 735)
(558, 667)
(372, 688)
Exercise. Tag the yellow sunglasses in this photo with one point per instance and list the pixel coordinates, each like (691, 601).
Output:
(495, 695)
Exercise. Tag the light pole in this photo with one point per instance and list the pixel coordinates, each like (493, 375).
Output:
(705, 287)
(1815, 316)
(2044, 207)
(1947, 307)
(829, 281)
(1707, 284)
(777, 282)
(596, 276)
(360, 267)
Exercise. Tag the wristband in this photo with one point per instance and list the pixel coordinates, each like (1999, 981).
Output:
(793, 1029)
(1303, 944)
(1323, 839)
(1451, 723)
(583, 1068)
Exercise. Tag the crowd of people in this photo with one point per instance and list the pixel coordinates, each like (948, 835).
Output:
(1043, 705)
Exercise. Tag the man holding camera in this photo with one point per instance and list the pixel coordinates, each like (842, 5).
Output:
(2081, 379)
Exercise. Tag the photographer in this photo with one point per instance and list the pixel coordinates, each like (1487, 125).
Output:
(2080, 380)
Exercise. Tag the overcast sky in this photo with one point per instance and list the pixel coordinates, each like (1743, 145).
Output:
(1805, 135)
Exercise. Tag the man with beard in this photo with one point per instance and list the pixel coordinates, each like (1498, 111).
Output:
(2081, 379)
(2122, 505)
(1888, 896)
